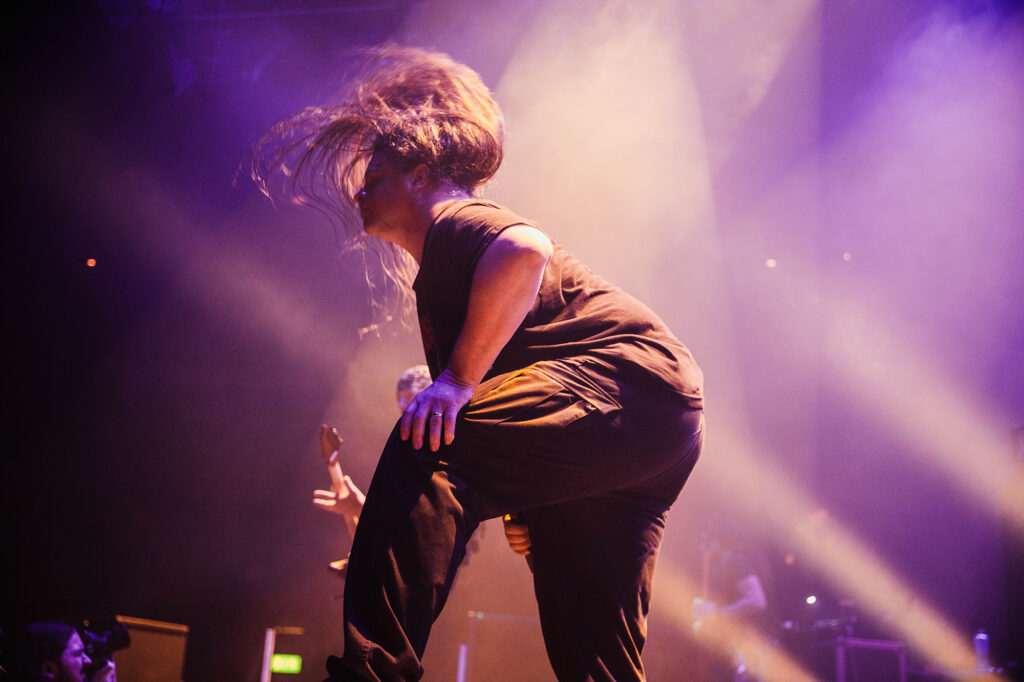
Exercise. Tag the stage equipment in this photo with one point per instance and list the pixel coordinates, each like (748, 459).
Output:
(851, 664)
(157, 651)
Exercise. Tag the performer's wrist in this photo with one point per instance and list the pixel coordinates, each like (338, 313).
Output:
(457, 379)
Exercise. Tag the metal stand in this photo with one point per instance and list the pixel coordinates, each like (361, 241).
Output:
(269, 643)
(476, 617)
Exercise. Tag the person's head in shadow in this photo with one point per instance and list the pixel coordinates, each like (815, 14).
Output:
(47, 651)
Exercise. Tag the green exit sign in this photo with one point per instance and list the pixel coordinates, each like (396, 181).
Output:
(286, 663)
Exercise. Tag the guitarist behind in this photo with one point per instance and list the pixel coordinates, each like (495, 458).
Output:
(345, 498)
(733, 586)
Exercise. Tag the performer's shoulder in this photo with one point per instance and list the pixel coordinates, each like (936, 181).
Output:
(485, 212)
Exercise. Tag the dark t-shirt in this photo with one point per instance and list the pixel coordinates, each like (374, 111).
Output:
(576, 313)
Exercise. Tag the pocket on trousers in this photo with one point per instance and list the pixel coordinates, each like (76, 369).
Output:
(545, 394)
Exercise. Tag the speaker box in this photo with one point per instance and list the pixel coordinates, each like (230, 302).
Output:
(156, 652)
(878, 660)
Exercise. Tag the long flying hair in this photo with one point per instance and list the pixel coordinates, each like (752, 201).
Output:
(423, 106)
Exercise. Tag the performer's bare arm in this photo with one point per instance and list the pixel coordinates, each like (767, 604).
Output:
(752, 596)
(505, 285)
(751, 600)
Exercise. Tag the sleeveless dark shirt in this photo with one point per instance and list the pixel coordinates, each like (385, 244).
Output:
(576, 313)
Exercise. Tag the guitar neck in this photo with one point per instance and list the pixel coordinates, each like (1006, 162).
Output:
(337, 478)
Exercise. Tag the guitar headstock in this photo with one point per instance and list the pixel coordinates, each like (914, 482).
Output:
(330, 442)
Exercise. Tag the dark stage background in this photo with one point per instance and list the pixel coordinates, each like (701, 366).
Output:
(823, 200)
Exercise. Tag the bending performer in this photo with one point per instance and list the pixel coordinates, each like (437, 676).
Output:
(555, 395)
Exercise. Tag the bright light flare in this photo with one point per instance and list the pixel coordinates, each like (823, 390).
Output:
(834, 551)
(723, 634)
(607, 99)
(944, 425)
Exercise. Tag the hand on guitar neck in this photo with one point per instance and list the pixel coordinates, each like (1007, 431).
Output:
(344, 498)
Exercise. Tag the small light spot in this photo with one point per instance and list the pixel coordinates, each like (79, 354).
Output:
(771, 262)
(847, 256)
(811, 599)
(91, 262)
(790, 559)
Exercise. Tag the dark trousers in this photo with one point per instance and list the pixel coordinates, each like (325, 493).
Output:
(592, 460)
